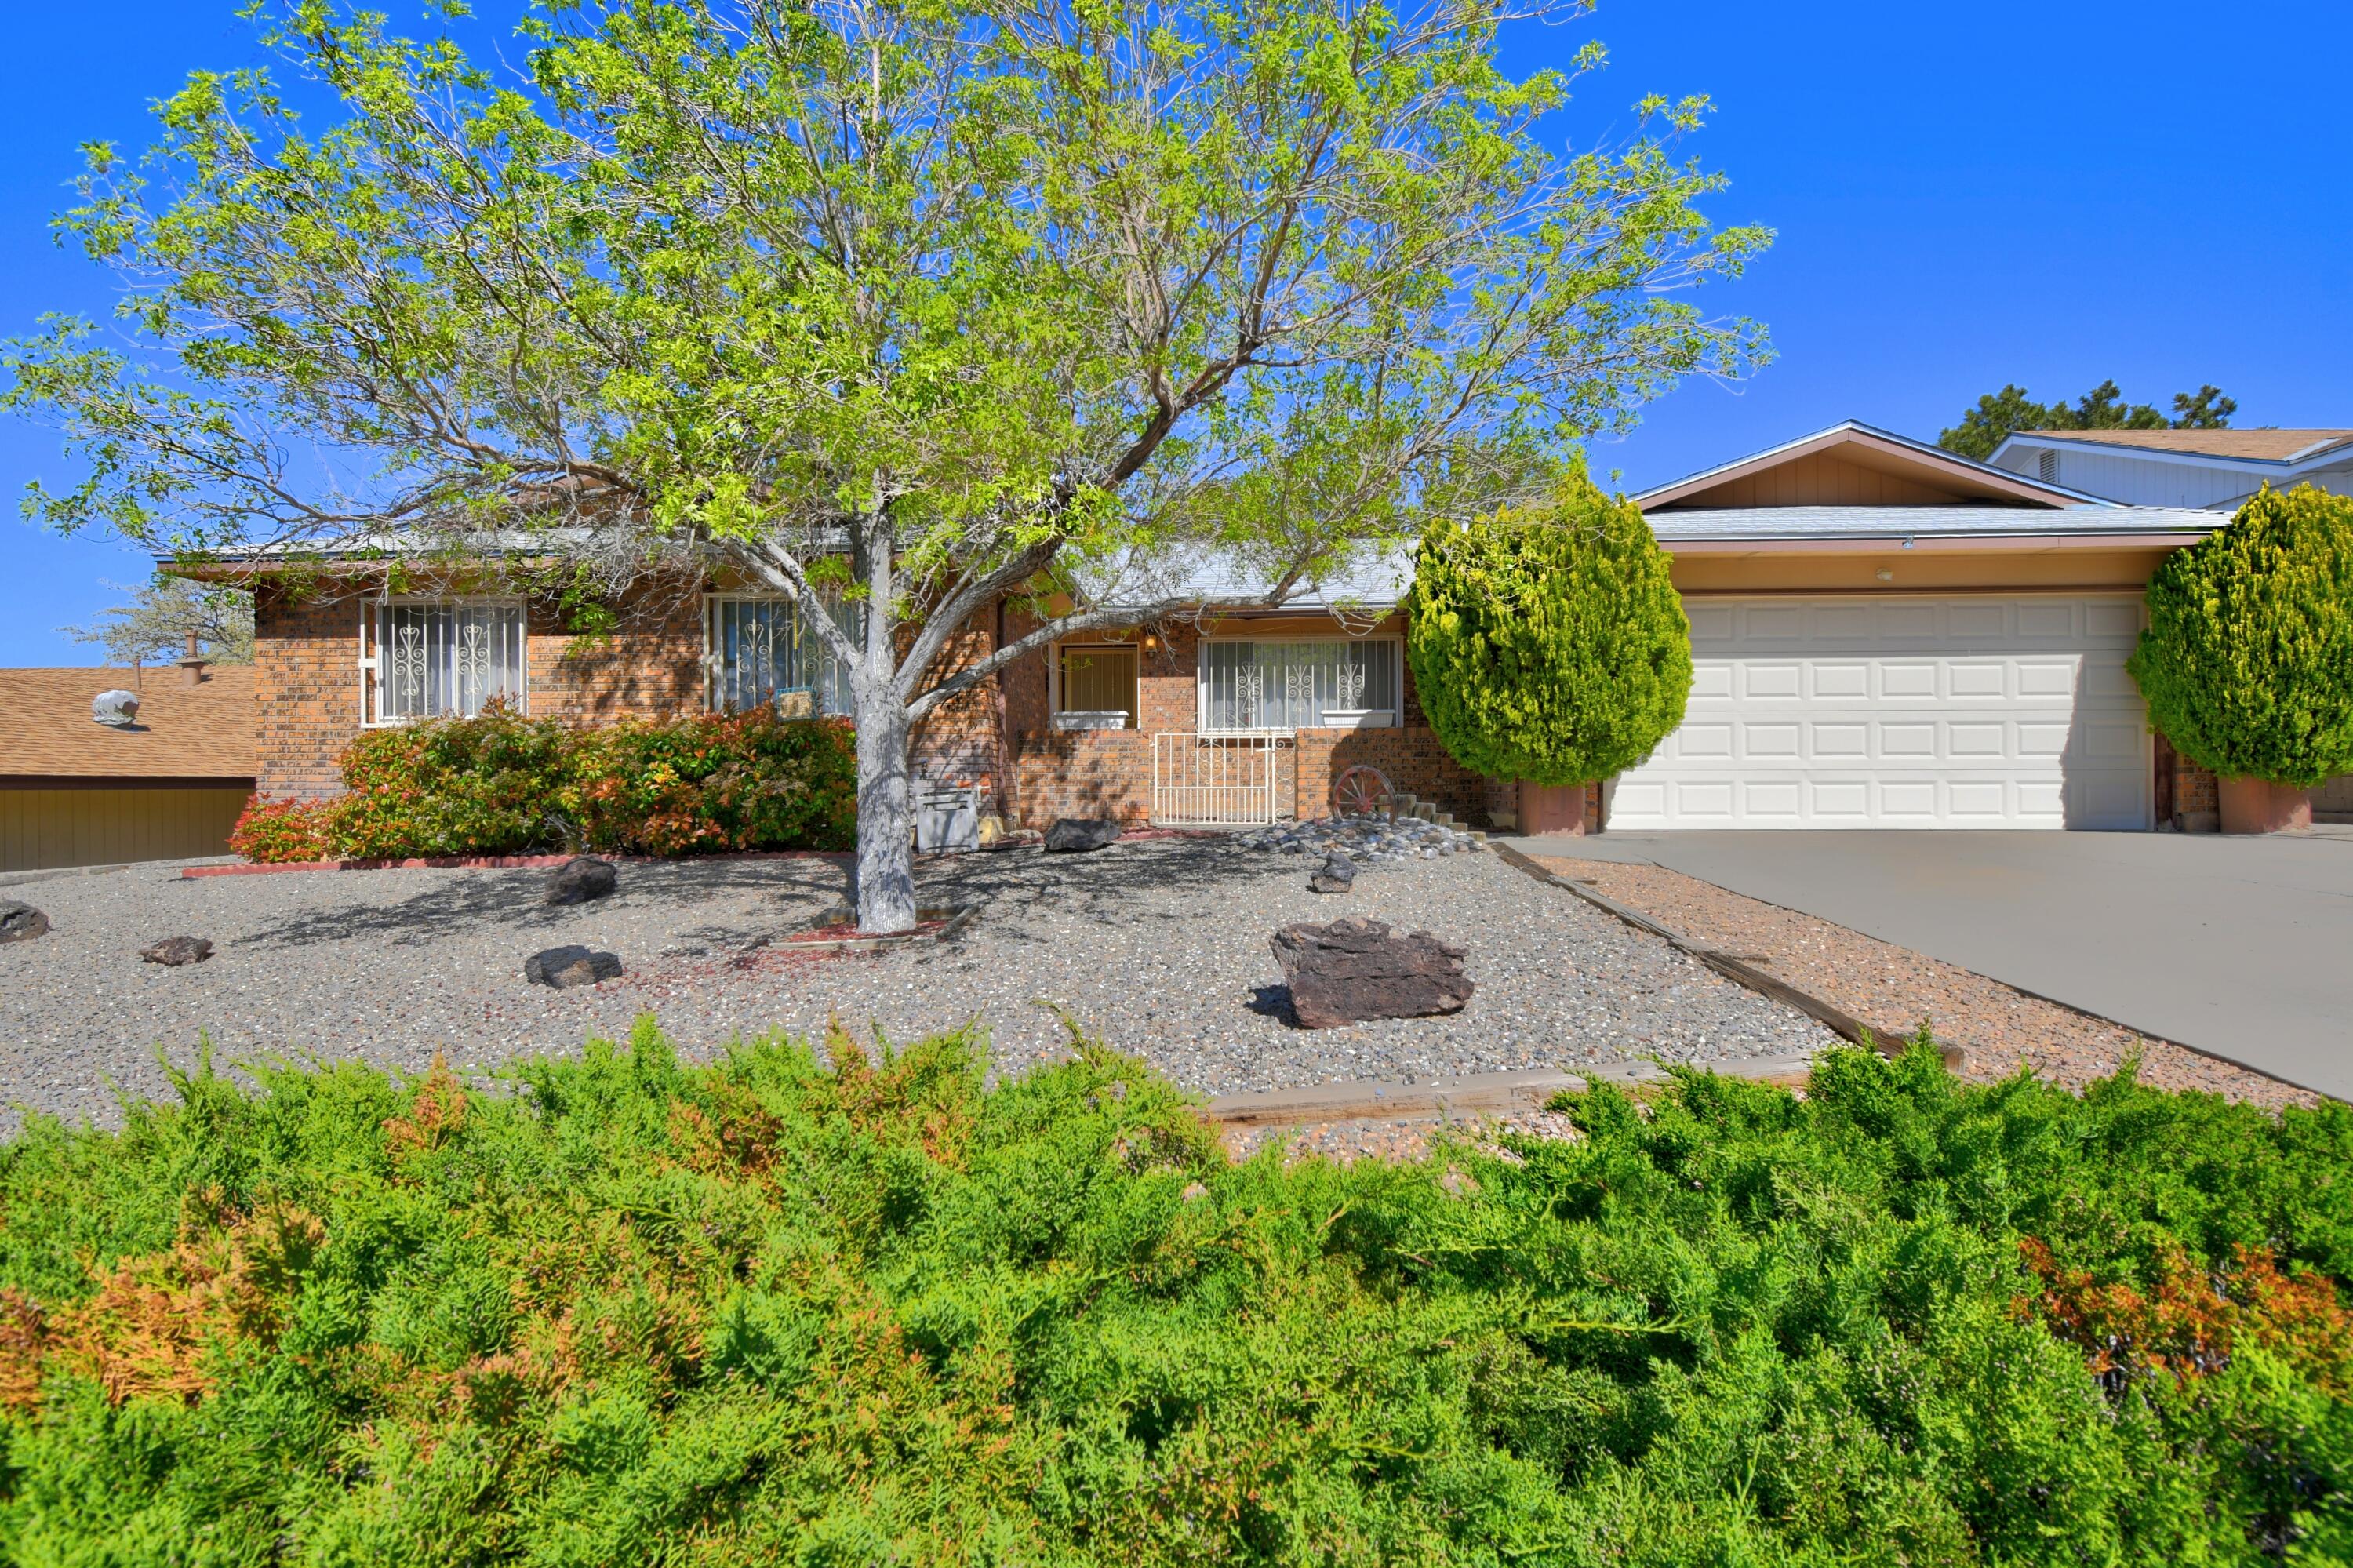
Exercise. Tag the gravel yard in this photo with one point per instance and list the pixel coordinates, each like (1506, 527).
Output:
(1160, 945)
(1895, 990)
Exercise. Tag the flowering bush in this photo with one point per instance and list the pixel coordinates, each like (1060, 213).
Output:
(735, 781)
(505, 784)
(283, 830)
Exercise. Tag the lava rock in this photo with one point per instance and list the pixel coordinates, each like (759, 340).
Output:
(570, 965)
(1074, 835)
(174, 951)
(1336, 875)
(583, 878)
(21, 922)
(1354, 970)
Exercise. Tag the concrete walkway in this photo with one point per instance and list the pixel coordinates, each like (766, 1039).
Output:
(2239, 946)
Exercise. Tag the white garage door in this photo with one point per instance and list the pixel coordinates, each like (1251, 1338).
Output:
(1977, 711)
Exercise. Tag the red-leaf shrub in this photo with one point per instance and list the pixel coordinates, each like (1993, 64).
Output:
(504, 784)
(275, 832)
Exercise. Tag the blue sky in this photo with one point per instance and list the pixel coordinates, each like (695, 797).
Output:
(2050, 194)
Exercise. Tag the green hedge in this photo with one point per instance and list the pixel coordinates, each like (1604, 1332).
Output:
(2247, 664)
(502, 784)
(1549, 645)
(624, 1310)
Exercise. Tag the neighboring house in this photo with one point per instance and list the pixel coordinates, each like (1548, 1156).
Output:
(2181, 467)
(1885, 635)
(168, 786)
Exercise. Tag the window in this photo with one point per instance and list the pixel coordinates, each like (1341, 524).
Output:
(443, 658)
(1298, 684)
(758, 656)
(1098, 680)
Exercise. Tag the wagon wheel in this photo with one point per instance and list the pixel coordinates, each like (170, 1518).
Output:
(1361, 792)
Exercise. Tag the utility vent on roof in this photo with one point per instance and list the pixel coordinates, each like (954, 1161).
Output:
(2046, 466)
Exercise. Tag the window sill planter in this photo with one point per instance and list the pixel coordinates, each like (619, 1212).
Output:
(1359, 718)
(2260, 805)
(1090, 719)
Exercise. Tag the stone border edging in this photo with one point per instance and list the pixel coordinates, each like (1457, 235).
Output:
(1473, 1095)
(495, 861)
(1829, 1014)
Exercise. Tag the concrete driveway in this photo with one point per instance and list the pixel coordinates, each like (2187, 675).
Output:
(2239, 946)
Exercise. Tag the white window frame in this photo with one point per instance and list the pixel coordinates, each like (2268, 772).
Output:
(371, 660)
(1373, 718)
(710, 659)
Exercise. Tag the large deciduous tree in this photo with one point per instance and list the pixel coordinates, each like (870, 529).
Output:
(908, 305)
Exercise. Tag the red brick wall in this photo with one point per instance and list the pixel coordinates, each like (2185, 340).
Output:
(1412, 759)
(307, 682)
(306, 688)
(1086, 773)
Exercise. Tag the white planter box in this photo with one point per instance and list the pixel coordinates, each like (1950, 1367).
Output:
(1359, 718)
(1105, 718)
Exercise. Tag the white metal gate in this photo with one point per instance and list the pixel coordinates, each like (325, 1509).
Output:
(1215, 779)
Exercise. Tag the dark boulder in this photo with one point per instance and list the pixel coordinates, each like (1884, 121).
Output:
(1354, 970)
(21, 922)
(1336, 875)
(583, 878)
(1073, 835)
(174, 951)
(569, 966)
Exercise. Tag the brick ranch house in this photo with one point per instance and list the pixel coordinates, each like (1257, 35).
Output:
(1884, 634)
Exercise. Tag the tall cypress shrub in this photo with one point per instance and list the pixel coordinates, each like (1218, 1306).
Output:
(1548, 644)
(2247, 664)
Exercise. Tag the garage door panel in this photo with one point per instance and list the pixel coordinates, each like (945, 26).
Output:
(1976, 678)
(1907, 680)
(1834, 681)
(2047, 677)
(1957, 712)
(1711, 681)
(1839, 742)
(1697, 740)
(1710, 622)
(2043, 742)
(2110, 741)
(2048, 618)
(2109, 681)
(1966, 620)
(1976, 742)
(2113, 620)
(1833, 799)
(1909, 619)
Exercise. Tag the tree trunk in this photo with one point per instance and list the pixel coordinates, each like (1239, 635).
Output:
(885, 886)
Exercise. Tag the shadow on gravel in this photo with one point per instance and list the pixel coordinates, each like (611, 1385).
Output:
(478, 901)
(1107, 884)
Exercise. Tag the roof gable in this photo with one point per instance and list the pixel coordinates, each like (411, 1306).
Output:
(1853, 464)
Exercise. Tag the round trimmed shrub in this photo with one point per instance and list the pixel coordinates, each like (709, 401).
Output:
(1548, 645)
(2247, 664)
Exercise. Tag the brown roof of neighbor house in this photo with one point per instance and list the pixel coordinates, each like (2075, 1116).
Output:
(204, 731)
(2260, 446)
